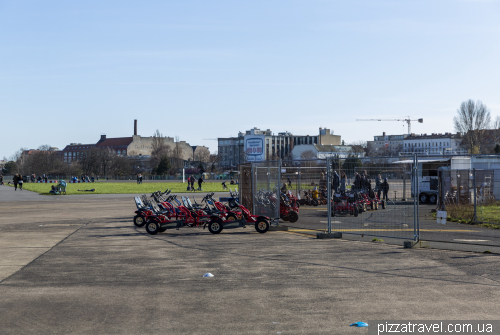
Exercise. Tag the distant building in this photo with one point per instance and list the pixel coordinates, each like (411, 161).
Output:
(261, 145)
(135, 145)
(386, 145)
(318, 151)
(433, 144)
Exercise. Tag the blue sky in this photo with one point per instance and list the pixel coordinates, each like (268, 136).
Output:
(73, 70)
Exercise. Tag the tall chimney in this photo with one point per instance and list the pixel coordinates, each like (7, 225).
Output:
(135, 127)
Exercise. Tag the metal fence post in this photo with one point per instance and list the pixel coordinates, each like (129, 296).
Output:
(254, 182)
(278, 193)
(329, 193)
(404, 184)
(474, 187)
(417, 234)
(299, 187)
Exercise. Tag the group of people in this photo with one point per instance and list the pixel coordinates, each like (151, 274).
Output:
(361, 181)
(139, 178)
(191, 180)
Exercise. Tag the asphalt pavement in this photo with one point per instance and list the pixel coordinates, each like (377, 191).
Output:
(77, 265)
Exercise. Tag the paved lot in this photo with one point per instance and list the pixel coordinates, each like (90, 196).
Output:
(77, 265)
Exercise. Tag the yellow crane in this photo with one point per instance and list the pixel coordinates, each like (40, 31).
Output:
(407, 120)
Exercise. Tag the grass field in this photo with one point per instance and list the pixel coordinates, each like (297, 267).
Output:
(124, 188)
(487, 215)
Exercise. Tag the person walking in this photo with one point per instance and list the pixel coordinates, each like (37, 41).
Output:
(15, 180)
(1, 179)
(20, 182)
(385, 189)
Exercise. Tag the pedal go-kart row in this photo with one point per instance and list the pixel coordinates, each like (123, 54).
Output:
(355, 202)
(164, 211)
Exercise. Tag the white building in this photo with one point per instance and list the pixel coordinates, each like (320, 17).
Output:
(433, 144)
(386, 145)
(317, 151)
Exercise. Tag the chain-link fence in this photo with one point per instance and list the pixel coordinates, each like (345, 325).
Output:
(410, 198)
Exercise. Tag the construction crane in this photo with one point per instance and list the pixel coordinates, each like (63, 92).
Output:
(408, 121)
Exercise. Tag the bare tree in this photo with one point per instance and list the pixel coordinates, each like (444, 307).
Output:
(359, 147)
(159, 149)
(472, 119)
(496, 124)
(308, 157)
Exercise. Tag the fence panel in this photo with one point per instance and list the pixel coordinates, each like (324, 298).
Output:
(306, 183)
(265, 187)
(375, 199)
(465, 209)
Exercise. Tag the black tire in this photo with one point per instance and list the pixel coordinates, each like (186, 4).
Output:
(139, 221)
(215, 227)
(433, 199)
(293, 216)
(315, 202)
(356, 212)
(383, 204)
(153, 228)
(423, 198)
(232, 204)
(261, 226)
(162, 230)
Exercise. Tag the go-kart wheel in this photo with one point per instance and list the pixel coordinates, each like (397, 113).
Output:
(356, 212)
(383, 204)
(215, 226)
(139, 221)
(261, 226)
(284, 218)
(293, 216)
(161, 230)
(153, 228)
(231, 217)
(315, 202)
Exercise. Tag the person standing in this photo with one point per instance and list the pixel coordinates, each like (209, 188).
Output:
(335, 182)
(200, 181)
(385, 189)
(1, 179)
(378, 185)
(192, 184)
(343, 183)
